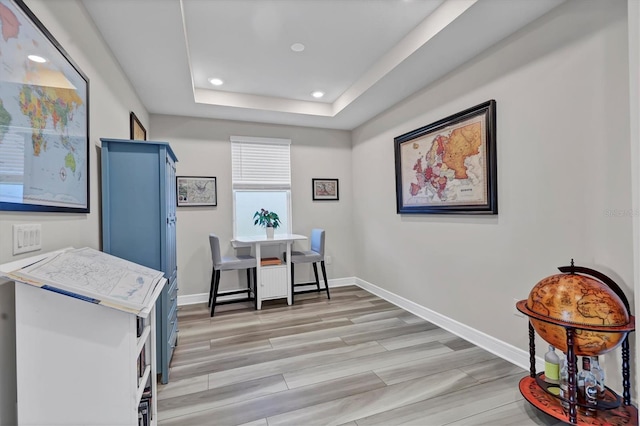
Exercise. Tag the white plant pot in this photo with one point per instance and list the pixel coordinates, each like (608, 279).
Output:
(270, 230)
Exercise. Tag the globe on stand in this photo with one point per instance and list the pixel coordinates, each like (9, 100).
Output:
(579, 300)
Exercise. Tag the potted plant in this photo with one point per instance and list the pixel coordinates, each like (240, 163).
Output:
(269, 220)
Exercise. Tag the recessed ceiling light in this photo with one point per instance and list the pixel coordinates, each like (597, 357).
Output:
(36, 58)
(297, 47)
(317, 94)
(216, 81)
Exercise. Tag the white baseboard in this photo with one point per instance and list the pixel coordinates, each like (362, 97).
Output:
(342, 282)
(497, 347)
(192, 299)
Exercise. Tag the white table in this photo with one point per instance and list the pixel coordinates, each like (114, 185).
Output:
(263, 292)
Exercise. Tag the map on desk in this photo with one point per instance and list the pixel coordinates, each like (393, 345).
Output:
(93, 276)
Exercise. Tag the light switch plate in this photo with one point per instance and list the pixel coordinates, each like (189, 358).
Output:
(27, 238)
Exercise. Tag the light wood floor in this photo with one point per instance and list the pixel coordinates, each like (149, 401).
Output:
(352, 360)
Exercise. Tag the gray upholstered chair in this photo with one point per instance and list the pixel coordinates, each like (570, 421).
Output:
(313, 256)
(230, 263)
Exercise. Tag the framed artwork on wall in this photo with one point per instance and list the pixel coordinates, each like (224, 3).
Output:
(449, 167)
(136, 129)
(44, 119)
(196, 191)
(325, 189)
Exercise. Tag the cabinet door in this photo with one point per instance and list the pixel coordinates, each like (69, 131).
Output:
(172, 261)
(273, 282)
(170, 184)
(131, 203)
(167, 316)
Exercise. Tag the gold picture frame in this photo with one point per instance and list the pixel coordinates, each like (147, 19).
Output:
(136, 129)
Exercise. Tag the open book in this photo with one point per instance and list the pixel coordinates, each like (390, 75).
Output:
(93, 276)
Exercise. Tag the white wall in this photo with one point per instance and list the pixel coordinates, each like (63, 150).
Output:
(562, 93)
(203, 149)
(634, 114)
(111, 99)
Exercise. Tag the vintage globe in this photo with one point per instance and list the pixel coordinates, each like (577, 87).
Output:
(580, 300)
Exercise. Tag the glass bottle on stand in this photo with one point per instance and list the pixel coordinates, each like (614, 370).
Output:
(598, 373)
(587, 388)
(551, 365)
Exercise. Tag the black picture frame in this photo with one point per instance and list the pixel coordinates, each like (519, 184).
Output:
(449, 166)
(49, 166)
(136, 129)
(323, 189)
(196, 191)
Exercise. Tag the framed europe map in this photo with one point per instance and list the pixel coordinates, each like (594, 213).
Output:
(449, 167)
(44, 118)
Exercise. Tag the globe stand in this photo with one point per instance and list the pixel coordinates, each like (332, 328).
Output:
(542, 399)
(610, 400)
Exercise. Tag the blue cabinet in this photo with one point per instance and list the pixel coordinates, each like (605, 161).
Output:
(139, 223)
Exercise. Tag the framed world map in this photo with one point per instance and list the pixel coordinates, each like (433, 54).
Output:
(44, 118)
(449, 167)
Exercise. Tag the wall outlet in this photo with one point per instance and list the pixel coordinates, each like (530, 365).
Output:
(328, 260)
(516, 312)
(27, 238)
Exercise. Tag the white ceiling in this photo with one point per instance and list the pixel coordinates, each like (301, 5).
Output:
(366, 55)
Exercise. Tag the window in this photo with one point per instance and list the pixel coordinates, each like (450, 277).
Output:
(261, 179)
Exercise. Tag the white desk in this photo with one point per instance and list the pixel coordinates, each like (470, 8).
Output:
(78, 362)
(257, 242)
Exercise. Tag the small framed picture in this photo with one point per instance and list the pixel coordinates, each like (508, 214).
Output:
(136, 129)
(196, 191)
(325, 189)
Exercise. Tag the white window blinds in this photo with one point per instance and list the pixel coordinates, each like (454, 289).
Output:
(260, 163)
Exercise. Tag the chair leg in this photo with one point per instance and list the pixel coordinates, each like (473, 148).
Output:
(315, 272)
(213, 277)
(255, 288)
(326, 283)
(249, 283)
(292, 284)
(215, 292)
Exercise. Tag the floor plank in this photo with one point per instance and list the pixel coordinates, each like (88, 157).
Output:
(272, 405)
(376, 401)
(217, 397)
(450, 406)
(373, 362)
